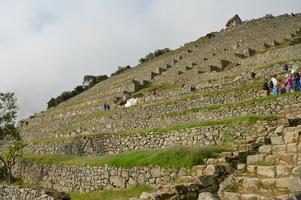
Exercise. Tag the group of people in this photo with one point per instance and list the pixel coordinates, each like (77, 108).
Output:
(291, 83)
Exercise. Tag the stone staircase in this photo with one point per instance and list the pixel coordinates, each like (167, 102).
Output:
(273, 173)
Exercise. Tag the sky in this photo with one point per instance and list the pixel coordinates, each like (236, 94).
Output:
(47, 46)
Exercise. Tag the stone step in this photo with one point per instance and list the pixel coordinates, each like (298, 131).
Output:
(258, 196)
(267, 186)
(275, 159)
(287, 138)
(269, 171)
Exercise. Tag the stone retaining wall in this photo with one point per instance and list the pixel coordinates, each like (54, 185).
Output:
(18, 193)
(90, 178)
(116, 143)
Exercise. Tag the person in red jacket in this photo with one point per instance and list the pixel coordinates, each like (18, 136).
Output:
(154, 93)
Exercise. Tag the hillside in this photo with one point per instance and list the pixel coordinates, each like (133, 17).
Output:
(228, 116)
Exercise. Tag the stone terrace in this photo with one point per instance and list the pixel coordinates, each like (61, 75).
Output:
(228, 107)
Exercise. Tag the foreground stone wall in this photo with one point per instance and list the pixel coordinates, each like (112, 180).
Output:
(117, 143)
(87, 178)
(18, 193)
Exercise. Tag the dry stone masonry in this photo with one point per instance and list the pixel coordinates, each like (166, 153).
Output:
(264, 166)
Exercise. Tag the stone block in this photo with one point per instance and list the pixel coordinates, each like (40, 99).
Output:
(232, 196)
(282, 182)
(250, 197)
(283, 171)
(293, 184)
(271, 159)
(251, 169)
(210, 170)
(266, 149)
(185, 179)
(279, 149)
(287, 159)
(155, 172)
(251, 184)
(197, 170)
(206, 196)
(296, 171)
(117, 181)
(293, 120)
(267, 171)
(268, 183)
(289, 197)
(241, 167)
(291, 137)
(291, 148)
(255, 158)
(277, 140)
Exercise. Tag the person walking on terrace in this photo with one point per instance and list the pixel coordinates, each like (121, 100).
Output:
(275, 85)
(154, 93)
(266, 87)
(288, 83)
(285, 67)
(253, 74)
(295, 81)
(106, 106)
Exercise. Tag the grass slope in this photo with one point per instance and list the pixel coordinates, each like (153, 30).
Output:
(134, 191)
(175, 157)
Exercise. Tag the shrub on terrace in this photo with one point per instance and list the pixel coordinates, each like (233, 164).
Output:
(151, 56)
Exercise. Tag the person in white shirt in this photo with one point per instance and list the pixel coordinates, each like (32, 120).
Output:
(275, 85)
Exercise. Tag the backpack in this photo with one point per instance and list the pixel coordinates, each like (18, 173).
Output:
(271, 85)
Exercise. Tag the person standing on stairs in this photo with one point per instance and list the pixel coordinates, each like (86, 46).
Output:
(154, 93)
(288, 83)
(266, 87)
(275, 85)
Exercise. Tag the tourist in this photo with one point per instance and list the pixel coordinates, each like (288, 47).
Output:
(106, 106)
(281, 88)
(275, 85)
(253, 74)
(288, 83)
(154, 93)
(285, 67)
(266, 87)
(295, 80)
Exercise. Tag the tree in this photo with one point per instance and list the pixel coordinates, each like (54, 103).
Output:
(9, 151)
(9, 157)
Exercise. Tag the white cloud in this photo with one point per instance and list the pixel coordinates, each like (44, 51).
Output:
(47, 46)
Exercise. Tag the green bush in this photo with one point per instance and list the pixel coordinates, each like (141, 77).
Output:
(120, 70)
(151, 56)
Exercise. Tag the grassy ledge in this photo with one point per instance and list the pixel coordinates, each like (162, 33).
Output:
(175, 157)
(134, 191)
(246, 119)
(225, 105)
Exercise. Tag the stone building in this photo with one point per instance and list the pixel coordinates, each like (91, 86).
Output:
(234, 21)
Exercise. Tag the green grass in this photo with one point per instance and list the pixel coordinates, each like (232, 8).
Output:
(134, 191)
(175, 157)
